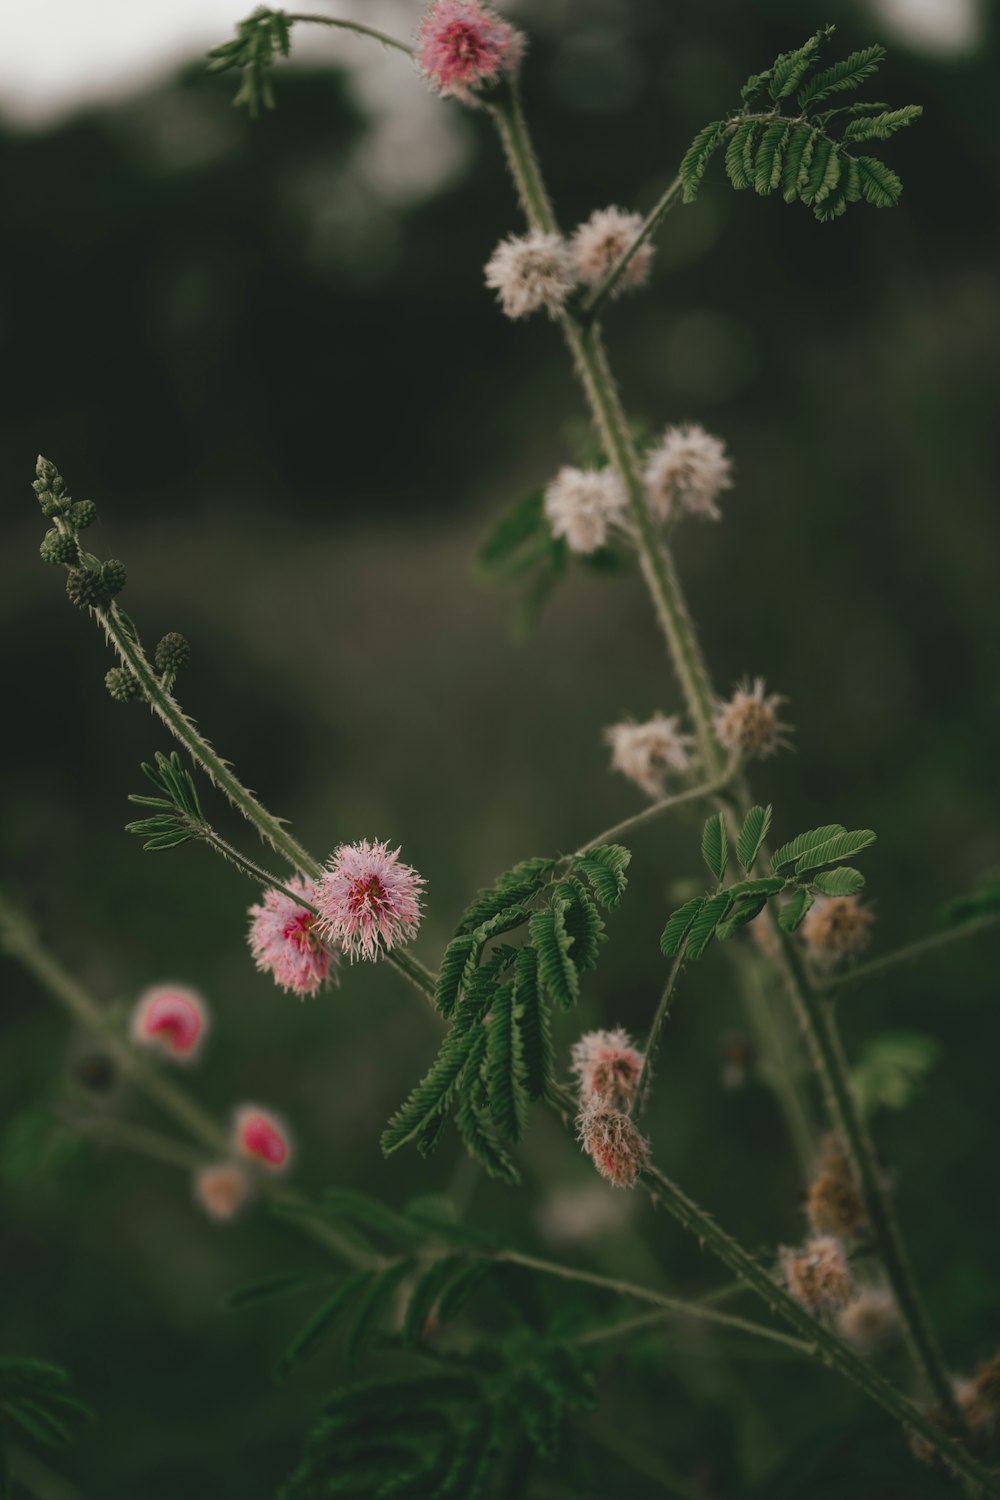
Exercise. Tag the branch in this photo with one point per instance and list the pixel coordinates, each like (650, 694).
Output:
(876, 967)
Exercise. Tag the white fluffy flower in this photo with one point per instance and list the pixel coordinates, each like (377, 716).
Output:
(601, 242)
(748, 723)
(687, 470)
(529, 271)
(646, 752)
(582, 505)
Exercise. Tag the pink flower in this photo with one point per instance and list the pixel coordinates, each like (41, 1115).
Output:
(172, 1019)
(368, 899)
(607, 1068)
(463, 48)
(262, 1137)
(222, 1190)
(285, 943)
(613, 1144)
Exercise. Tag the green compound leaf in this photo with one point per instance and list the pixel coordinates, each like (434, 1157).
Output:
(790, 68)
(880, 127)
(513, 888)
(505, 1066)
(503, 548)
(679, 925)
(790, 916)
(813, 839)
(770, 157)
(703, 927)
(847, 74)
(756, 826)
(879, 184)
(584, 922)
(798, 157)
(605, 869)
(841, 882)
(532, 1019)
(715, 845)
(839, 846)
(740, 155)
(743, 912)
(552, 942)
(370, 1308)
(311, 1338)
(698, 156)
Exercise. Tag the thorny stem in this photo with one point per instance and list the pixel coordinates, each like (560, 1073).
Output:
(824, 1345)
(653, 1038)
(778, 1066)
(18, 939)
(658, 569)
(673, 1306)
(654, 810)
(876, 967)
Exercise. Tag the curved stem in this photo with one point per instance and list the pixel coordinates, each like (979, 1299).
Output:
(593, 303)
(674, 1306)
(356, 26)
(122, 635)
(876, 967)
(823, 1344)
(655, 809)
(653, 1038)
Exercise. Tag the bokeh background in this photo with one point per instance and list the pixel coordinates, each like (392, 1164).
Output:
(266, 351)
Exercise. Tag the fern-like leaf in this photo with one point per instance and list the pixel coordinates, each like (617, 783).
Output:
(605, 869)
(715, 845)
(507, 1098)
(850, 73)
(697, 157)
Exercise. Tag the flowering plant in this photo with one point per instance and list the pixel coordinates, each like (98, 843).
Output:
(471, 1407)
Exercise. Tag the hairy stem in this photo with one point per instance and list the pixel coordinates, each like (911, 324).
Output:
(770, 1027)
(824, 1346)
(876, 967)
(673, 1306)
(358, 27)
(653, 1038)
(655, 809)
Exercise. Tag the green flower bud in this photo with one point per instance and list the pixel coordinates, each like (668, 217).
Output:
(56, 547)
(85, 589)
(53, 505)
(172, 653)
(114, 576)
(122, 685)
(82, 514)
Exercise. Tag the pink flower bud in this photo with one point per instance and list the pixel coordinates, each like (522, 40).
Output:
(222, 1190)
(607, 1068)
(172, 1019)
(262, 1137)
(613, 1144)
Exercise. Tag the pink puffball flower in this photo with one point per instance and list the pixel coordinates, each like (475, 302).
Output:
(464, 49)
(368, 899)
(285, 942)
(607, 1068)
(222, 1190)
(599, 244)
(262, 1137)
(172, 1019)
(613, 1143)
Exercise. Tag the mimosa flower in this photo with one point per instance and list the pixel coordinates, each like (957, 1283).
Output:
(262, 1137)
(368, 899)
(172, 1019)
(285, 942)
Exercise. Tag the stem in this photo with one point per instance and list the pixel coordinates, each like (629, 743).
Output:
(778, 1069)
(820, 1024)
(122, 636)
(360, 28)
(822, 1342)
(19, 940)
(876, 967)
(593, 303)
(144, 1142)
(656, 1026)
(693, 794)
(671, 1306)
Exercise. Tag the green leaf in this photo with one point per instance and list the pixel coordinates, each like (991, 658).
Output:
(513, 888)
(839, 846)
(823, 172)
(309, 1340)
(848, 74)
(505, 1067)
(892, 1070)
(481, 1143)
(449, 980)
(770, 157)
(791, 915)
(756, 826)
(879, 184)
(881, 127)
(370, 1307)
(552, 943)
(743, 912)
(358, 1208)
(754, 84)
(583, 923)
(524, 523)
(532, 1019)
(704, 925)
(797, 159)
(433, 1095)
(790, 68)
(605, 868)
(697, 157)
(715, 845)
(795, 848)
(279, 1284)
(757, 885)
(840, 882)
(678, 926)
(460, 1287)
(740, 155)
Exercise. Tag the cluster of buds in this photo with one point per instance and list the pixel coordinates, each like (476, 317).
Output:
(648, 753)
(747, 724)
(540, 270)
(833, 1203)
(90, 584)
(836, 928)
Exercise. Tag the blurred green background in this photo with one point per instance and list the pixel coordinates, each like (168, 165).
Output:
(266, 351)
